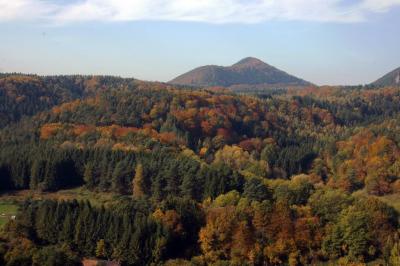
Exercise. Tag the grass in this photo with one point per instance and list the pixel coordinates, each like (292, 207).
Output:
(80, 193)
(392, 200)
(7, 210)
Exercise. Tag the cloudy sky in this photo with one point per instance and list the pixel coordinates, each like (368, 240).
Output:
(323, 41)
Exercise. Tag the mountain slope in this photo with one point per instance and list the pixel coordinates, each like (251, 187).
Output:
(390, 79)
(248, 71)
(25, 95)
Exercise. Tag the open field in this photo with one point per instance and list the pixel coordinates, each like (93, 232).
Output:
(9, 200)
(7, 210)
(392, 200)
(80, 193)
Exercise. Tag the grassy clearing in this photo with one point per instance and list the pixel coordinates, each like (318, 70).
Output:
(9, 201)
(81, 193)
(392, 200)
(7, 210)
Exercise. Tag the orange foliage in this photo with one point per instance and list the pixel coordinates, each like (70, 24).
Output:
(216, 237)
(368, 159)
(224, 133)
(17, 79)
(92, 83)
(124, 131)
(203, 151)
(167, 137)
(70, 106)
(49, 130)
(171, 219)
(251, 144)
(307, 233)
(80, 130)
(207, 128)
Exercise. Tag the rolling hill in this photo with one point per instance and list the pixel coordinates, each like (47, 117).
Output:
(248, 71)
(143, 172)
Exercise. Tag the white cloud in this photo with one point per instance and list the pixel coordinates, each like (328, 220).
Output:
(380, 5)
(24, 9)
(210, 11)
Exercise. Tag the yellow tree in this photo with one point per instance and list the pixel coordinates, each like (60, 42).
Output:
(138, 182)
(216, 236)
(101, 249)
(394, 258)
(233, 156)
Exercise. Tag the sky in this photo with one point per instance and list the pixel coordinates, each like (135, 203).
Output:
(327, 42)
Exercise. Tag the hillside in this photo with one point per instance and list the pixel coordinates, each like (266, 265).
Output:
(145, 173)
(247, 72)
(26, 95)
(390, 79)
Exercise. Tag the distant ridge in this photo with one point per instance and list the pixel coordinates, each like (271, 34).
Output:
(390, 79)
(248, 71)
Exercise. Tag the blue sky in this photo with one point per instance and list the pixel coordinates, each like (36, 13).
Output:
(325, 42)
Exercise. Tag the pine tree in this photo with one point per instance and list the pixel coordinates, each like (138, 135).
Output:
(88, 175)
(188, 187)
(37, 172)
(172, 181)
(67, 231)
(117, 183)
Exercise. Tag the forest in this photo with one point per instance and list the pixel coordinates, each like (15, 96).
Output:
(294, 176)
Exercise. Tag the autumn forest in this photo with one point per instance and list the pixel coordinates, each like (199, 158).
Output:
(179, 175)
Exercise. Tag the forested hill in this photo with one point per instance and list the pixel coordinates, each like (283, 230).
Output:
(26, 95)
(202, 177)
(248, 72)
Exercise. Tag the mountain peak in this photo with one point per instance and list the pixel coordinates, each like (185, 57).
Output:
(249, 72)
(390, 79)
(250, 61)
